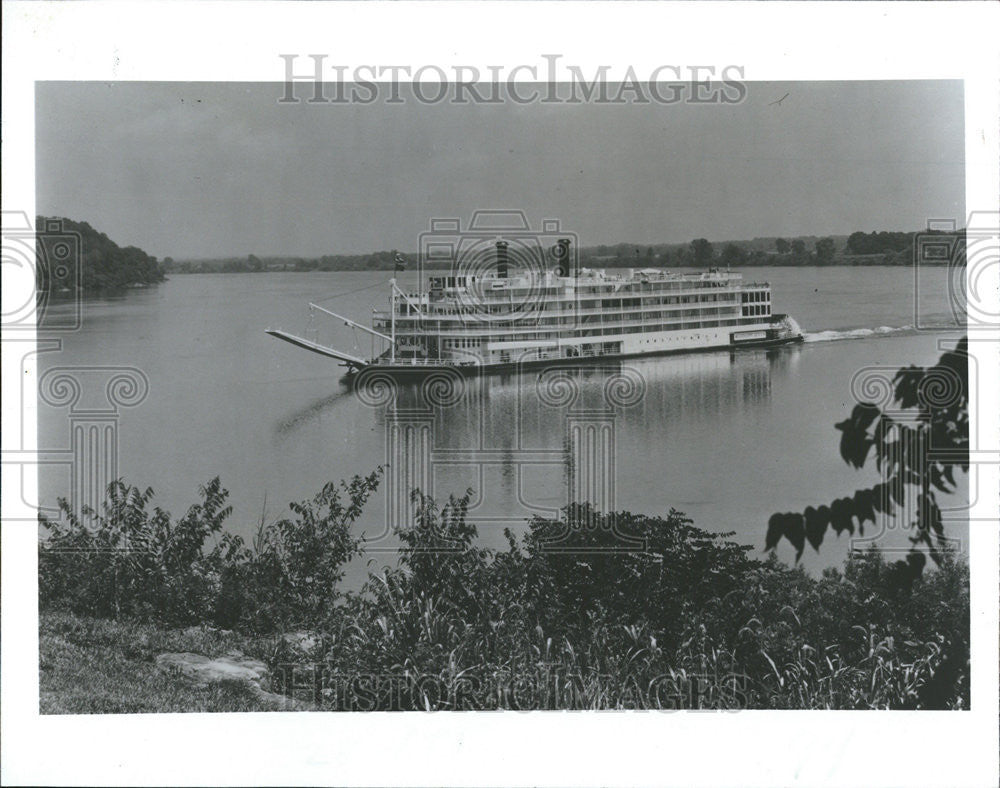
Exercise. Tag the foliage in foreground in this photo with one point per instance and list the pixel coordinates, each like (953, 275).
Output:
(132, 560)
(919, 439)
(588, 611)
(575, 616)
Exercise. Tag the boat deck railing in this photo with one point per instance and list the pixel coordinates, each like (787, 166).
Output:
(545, 355)
(416, 362)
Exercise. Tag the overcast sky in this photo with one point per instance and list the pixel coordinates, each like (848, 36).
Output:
(192, 170)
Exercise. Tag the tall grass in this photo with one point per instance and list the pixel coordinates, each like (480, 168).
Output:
(588, 611)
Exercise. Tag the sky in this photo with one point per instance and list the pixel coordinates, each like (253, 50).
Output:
(199, 170)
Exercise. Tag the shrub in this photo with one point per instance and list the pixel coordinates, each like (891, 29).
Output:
(289, 576)
(627, 611)
(129, 561)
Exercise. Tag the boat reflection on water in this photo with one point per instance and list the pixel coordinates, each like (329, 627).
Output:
(529, 443)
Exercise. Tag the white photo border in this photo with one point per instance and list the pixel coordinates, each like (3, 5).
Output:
(241, 41)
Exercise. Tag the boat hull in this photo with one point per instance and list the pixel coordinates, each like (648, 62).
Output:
(415, 371)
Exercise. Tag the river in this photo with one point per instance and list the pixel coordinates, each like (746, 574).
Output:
(727, 438)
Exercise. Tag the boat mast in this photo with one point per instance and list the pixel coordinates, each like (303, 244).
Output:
(392, 314)
(348, 321)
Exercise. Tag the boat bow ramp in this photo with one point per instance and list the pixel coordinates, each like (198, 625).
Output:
(346, 358)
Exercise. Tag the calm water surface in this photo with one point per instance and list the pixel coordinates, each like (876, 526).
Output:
(728, 438)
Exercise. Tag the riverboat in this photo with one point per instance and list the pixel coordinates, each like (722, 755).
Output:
(500, 317)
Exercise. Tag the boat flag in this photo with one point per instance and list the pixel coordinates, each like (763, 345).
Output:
(399, 262)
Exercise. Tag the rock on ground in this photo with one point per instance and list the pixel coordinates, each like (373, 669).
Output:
(232, 667)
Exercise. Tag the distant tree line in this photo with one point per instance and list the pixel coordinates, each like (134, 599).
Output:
(78, 258)
(875, 248)
(702, 253)
(251, 264)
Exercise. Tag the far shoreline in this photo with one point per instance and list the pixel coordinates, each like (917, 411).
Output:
(293, 270)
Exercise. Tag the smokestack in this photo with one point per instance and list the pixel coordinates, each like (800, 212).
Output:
(502, 259)
(562, 253)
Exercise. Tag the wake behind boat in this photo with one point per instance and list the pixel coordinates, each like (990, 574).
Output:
(487, 318)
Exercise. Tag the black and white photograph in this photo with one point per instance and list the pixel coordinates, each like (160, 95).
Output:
(534, 397)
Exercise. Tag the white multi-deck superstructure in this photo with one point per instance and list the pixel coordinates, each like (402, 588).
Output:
(496, 320)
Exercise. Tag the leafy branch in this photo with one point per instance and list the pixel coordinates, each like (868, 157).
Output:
(917, 444)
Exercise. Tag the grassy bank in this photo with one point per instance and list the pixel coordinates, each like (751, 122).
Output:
(98, 666)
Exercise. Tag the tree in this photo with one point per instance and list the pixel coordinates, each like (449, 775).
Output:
(824, 251)
(918, 445)
(782, 246)
(702, 252)
(857, 243)
(79, 257)
(733, 255)
(881, 242)
(798, 248)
